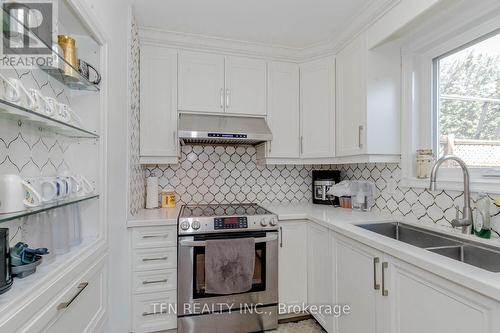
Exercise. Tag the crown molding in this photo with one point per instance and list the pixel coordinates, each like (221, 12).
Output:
(367, 16)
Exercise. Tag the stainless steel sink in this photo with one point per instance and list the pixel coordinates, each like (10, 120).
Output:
(469, 252)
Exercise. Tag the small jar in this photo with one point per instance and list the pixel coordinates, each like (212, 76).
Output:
(424, 163)
(168, 199)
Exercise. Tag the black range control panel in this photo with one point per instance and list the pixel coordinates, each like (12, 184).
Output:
(230, 223)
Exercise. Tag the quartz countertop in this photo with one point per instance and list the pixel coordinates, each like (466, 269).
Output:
(154, 217)
(343, 221)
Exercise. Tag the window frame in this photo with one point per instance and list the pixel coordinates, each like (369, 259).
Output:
(445, 33)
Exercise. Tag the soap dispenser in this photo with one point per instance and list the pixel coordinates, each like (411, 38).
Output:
(482, 221)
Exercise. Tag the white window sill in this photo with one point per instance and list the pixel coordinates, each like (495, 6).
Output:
(479, 184)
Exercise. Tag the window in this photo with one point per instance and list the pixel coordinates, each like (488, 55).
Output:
(467, 103)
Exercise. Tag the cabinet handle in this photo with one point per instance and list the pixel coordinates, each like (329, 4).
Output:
(269, 147)
(154, 259)
(155, 236)
(360, 129)
(281, 236)
(155, 281)
(145, 314)
(228, 93)
(221, 98)
(80, 288)
(376, 285)
(385, 292)
(301, 144)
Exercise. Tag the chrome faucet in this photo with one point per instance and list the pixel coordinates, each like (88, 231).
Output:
(466, 219)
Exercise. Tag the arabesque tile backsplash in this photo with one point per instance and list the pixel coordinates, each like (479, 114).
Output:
(223, 174)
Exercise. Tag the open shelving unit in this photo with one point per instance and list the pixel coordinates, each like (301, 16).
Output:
(46, 207)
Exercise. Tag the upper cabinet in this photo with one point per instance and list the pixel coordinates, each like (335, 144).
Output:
(201, 82)
(216, 83)
(245, 86)
(317, 108)
(283, 113)
(368, 99)
(158, 115)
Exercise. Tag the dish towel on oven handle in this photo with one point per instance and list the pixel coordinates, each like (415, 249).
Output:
(229, 265)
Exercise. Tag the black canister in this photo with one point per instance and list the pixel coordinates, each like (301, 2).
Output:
(5, 275)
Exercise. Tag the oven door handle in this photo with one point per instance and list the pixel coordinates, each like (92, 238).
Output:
(203, 243)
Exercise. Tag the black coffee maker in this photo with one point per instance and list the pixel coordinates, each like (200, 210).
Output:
(322, 181)
(5, 275)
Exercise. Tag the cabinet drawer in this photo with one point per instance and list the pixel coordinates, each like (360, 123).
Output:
(151, 237)
(154, 281)
(76, 308)
(151, 259)
(154, 312)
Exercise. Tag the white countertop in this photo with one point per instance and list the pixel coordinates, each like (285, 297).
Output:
(343, 222)
(154, 217)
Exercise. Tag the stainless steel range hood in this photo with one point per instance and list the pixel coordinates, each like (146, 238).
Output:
(223, 129)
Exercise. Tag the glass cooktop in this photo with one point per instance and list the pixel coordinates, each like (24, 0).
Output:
(242, 209)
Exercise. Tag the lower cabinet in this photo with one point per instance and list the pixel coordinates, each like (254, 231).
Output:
(319, 273)
(419, 301)
(154, 278)
(292, 261)
(388, 295)
(80, 307)
(357, 284)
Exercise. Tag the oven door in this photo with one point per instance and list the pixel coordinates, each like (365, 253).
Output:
(192, 298)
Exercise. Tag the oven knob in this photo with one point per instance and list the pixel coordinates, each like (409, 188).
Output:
(273, 222)
(185, 225)
(195, 225)
(263, 222)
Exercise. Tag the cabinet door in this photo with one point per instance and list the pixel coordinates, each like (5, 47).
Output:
(319, 278)
(317, 108)
(283, 115)
(351, 99)
(158, 115)
(293, 263)
(245, 86)
(201, 82)
(357, 273)
(420, 301)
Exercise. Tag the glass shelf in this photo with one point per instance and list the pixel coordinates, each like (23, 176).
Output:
(19, 113)
(46, 207)
(75, 80)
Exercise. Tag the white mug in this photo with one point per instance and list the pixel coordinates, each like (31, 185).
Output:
(15, 92)
(64, 112)
(16, 194)
(45, 186)
(63, 187)
(40, 103)
(76, 183)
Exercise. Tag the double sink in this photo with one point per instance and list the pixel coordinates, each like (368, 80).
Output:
(469, 252)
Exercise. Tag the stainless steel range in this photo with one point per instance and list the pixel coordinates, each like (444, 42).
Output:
(251, 311)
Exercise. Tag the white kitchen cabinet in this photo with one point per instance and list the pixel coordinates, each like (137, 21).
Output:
(245, 86)
(368, 99)
(419, 301)
(158, 112)
(292, 261)
(214, 83)
(283, 112)
(317, 108)
(319, 273)
(201, 82)
(388, 295)
(357, 283)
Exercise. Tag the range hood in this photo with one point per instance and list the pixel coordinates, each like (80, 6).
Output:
(223, 129)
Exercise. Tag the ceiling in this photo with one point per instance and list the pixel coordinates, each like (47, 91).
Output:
(290, 23)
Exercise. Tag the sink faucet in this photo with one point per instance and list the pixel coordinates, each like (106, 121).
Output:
(466, 219)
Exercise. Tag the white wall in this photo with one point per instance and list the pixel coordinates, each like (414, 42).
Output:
(113, 16)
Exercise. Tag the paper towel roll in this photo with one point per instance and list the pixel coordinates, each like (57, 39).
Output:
(152, 192)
